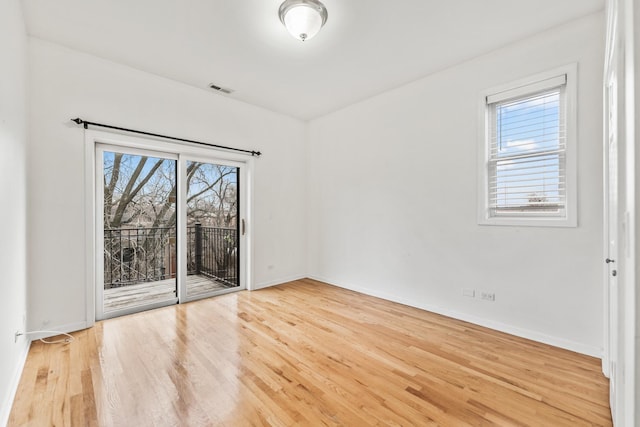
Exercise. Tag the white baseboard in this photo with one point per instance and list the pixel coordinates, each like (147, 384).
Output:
(70, 327)
(5, 409)
(278, 281)
(487, 323)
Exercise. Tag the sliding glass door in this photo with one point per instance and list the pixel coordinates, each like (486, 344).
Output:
(212, 206)
(168, 229)
(138, 230)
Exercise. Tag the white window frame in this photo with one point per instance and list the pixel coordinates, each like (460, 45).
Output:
(523, 87)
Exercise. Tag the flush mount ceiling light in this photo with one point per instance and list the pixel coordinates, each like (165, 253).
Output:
(303, 18)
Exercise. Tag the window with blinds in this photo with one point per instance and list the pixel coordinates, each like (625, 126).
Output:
(527, 150)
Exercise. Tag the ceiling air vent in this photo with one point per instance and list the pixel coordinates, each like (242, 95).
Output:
(220, 89)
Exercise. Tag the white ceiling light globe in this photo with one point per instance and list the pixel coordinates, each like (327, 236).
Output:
(303, 18)
(303, 22)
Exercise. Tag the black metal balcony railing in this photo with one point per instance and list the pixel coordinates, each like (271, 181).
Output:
(138, 255)
(212, 252)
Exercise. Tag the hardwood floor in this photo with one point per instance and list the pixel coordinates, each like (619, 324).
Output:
(304, 353)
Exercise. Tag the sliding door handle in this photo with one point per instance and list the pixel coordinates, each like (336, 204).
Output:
(244, 227)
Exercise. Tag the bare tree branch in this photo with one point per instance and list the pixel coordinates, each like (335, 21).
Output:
(129, 192)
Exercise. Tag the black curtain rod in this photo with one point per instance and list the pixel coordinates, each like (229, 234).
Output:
(86, 124)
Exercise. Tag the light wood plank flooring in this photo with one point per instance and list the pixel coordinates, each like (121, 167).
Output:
(304, 353)
(161, 290)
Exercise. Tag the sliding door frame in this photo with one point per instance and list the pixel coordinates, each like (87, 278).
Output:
(182, 224)
(182, 151)
(100, 149)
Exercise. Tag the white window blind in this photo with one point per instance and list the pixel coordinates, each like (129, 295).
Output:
(527, 150)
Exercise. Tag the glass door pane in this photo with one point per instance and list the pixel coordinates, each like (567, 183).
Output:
(139, 242)
(212, 206)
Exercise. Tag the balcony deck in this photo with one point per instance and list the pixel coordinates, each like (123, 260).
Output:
(152, 292)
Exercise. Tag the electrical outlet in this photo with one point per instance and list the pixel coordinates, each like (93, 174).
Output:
(488, 296)
(468, 292)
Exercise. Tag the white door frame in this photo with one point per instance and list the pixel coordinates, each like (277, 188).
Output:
(157, 145)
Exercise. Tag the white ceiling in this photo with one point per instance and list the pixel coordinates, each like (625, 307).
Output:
(366, 47)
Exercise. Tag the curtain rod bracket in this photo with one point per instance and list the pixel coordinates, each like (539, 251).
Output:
(79, 121)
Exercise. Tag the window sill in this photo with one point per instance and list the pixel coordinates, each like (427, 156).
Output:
(529, 222)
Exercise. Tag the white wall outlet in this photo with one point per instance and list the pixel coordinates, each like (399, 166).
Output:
(468, 292)
(488, 296)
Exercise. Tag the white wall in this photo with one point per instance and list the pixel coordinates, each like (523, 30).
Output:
(66, 84)
(13, 142)
(633, 29)
(392, 200)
